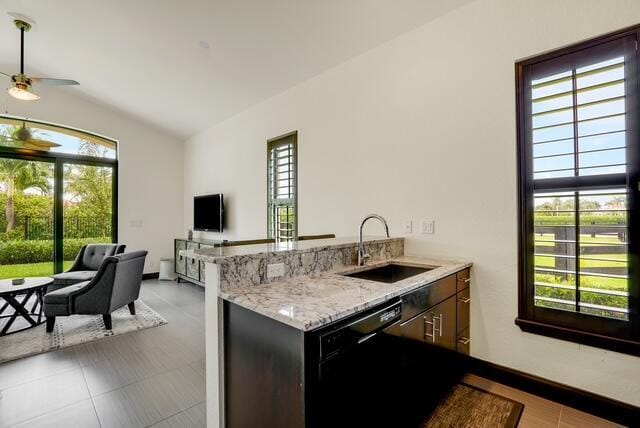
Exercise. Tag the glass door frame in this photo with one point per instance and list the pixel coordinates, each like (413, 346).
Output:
(60, 160)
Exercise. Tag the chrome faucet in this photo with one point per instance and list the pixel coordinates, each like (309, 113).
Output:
(362, 256)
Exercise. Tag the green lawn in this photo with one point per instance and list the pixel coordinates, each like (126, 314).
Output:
(29, 269)
(586, 282)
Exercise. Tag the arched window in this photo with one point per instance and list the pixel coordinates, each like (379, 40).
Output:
(58, 191)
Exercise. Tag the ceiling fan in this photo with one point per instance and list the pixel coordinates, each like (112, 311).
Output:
(21, 88)
(24, 136)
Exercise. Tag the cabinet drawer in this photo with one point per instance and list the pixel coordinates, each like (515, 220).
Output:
(463, 279)
(463, 342)
(413, 329)
(193, 268)
(180, 261)
(464, 309)
(425, 297)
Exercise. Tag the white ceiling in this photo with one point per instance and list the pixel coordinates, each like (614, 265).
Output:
(144, 57)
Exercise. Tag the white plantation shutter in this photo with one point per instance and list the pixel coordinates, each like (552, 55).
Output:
(282, 188)
(578, 128)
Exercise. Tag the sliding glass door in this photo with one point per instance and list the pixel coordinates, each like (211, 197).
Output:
(26, 217)
(87, 211)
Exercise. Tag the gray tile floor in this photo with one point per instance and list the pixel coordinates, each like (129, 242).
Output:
(153, 377)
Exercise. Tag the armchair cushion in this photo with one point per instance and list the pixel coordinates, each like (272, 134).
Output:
(73, 277)
(62, 295)
(58, 302)
(94, 254)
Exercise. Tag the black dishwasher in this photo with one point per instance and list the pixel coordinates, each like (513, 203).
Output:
(353, 374)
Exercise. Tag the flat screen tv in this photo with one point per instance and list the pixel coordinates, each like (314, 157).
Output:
(208, 213)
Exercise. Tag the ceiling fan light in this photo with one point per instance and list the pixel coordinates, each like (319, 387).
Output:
(22, 93)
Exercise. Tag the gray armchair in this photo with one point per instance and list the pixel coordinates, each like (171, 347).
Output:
(117, 283)
(86, 264)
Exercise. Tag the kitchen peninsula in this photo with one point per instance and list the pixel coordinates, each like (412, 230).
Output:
(278, 316)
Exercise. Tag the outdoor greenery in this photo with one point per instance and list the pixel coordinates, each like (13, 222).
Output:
(607, 265)
(27, 203)
(30, 269)
(20, 251)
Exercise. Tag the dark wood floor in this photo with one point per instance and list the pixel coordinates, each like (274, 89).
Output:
(156, 377)
(152, 377)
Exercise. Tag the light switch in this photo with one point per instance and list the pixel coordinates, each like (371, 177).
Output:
(428, 227)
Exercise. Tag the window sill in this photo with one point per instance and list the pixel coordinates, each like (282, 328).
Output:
(584, 338)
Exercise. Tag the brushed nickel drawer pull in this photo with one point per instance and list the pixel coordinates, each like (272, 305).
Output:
(439, 329)
(433, 329)
(465, 280)
(464, 299)
(464, 340)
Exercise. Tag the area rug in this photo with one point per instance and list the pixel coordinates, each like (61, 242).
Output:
(75, 330)
(469, 407)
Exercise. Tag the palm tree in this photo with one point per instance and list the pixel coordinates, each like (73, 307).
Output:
(18, 176)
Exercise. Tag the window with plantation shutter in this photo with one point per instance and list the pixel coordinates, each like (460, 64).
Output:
(282, 192)
(579, 190)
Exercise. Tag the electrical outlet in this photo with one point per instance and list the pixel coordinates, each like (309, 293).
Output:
(408, 226)
(275, 270)
(428, 227)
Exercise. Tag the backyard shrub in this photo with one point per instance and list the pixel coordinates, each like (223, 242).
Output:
(15, 234)
(20, 251)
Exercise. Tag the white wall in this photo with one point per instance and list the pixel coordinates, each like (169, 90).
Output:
(149, 168)
(423, 127)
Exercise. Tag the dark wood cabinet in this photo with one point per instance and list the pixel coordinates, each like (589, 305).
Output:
(463, 279)
(463, 312)
(463, 342)
(280, 372)
(440, 324)
(423, 298)
(438, 313)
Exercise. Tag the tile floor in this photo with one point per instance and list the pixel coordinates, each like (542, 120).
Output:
(155, 377)
(538, 412)
(152, 377)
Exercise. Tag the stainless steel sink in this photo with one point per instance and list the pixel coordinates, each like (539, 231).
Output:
(389, 273)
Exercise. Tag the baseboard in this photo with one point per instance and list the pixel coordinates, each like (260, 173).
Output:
(598, 405)
(150, 275)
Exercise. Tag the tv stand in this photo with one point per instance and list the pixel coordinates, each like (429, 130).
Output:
(187, 268)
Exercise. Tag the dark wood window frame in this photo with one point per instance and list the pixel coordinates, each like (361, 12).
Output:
(621, 336)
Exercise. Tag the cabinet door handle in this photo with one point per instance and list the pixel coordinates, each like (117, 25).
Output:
(439, 329)
(464, 299)
(465, 280)
(433, 329)
(464, 340)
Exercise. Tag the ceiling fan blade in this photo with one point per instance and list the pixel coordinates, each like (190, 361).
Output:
(53, 82)
(7, 75)
(35, 143)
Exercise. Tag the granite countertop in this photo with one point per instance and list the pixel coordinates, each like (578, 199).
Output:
(309, 302)
(222, 254)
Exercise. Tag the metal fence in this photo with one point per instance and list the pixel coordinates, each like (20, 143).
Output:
(41, 228)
